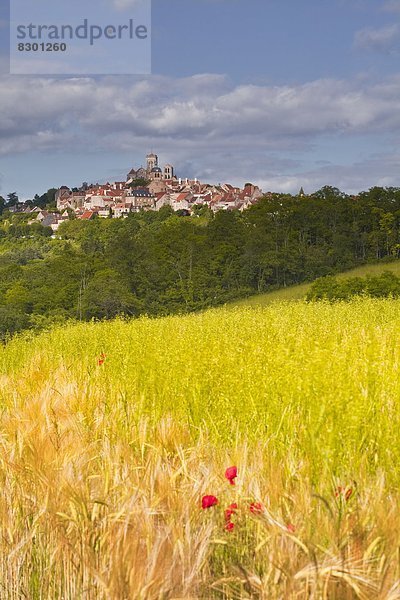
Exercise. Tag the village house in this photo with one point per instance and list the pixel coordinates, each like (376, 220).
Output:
(181, 201)
(121, 210)
(162, 199)
(141, 198)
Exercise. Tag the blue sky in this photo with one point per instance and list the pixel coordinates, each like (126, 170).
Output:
(285, 93)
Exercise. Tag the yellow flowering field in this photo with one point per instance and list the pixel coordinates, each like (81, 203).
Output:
(237, 453)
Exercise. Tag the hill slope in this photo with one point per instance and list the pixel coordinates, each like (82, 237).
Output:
(297, 292)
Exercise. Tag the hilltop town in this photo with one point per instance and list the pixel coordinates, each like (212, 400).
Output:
(147, 188)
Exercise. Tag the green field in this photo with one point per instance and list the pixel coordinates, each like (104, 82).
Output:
(298, 292)
(104, 462)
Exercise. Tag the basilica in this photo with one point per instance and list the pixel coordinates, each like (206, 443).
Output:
(153, 171)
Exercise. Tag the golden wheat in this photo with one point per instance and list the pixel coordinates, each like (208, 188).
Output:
(104, 461)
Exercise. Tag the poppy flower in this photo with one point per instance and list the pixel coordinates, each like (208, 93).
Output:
(208, 501)
(230, 511)
(256, 508)
(338, 491)
(101, 359)
(231, 474)
(230, 526)
(346, 493)
(291, 528)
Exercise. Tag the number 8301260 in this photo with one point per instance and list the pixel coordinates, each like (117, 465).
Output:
(42, 47)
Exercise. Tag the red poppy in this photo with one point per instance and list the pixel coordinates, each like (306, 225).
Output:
(346, 493)
(101, 359)
(231, 474)
(338, 491)
(230, 526)
(208, 501)
(230, 511)
(256, 508)
(291, 528)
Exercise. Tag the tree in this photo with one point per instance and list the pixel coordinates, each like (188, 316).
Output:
(18, 298)
(165, 212)
(46, 199)
(202, 210)
(12, 199)
(12, 321)
(107, 295)
(139, 182)
(327, 192)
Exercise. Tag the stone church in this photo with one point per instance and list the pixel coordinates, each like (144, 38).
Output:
(153, 172)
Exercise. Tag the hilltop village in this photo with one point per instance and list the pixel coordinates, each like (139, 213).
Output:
(147, 188)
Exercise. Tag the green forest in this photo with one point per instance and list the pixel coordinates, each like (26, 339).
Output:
(159, 263)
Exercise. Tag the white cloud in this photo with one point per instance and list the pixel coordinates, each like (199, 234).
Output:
(206, 107)
(209, 126)
(382, 39)
(380, 170)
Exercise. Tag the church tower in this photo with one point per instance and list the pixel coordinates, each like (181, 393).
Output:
(152, 162)
(168, 172)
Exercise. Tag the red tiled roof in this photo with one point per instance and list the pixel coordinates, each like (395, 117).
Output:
(113, 193)
(182, 196)
(88, 214)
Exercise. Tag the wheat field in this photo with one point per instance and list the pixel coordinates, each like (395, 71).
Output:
(112, 434)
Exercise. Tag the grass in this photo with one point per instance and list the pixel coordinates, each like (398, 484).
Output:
(298, 292)
(103, 466)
